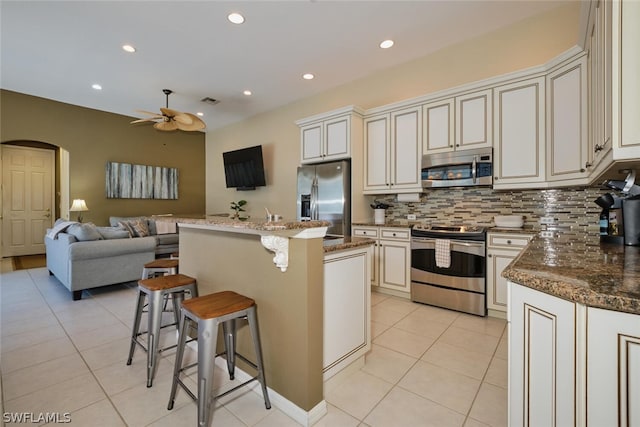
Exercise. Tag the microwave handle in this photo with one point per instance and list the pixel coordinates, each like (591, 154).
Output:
(474, 166)
(314, 199)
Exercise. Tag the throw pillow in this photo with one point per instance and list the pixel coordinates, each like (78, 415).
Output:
(84, 232)
(137, 228)
(108, 233)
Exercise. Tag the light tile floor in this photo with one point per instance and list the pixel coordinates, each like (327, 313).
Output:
(427, 367)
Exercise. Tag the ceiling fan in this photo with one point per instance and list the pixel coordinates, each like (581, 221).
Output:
(172, 119)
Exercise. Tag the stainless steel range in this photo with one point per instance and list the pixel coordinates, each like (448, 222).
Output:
(448, 267)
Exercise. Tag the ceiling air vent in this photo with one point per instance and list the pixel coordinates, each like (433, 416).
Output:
(210, 101)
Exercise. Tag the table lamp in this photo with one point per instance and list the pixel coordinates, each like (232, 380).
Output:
(80, 206)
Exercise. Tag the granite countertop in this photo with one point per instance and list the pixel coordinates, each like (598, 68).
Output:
(250, 224)
(346, 242)
(575, 266)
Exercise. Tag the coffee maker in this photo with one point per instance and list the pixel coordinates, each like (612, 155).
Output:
(623, 211)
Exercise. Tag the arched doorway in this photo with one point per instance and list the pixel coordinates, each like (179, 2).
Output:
(35, 182)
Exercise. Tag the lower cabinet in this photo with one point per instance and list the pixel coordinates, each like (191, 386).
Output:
(347, 308)
(571, 365)
(501, 250)
(391, 270)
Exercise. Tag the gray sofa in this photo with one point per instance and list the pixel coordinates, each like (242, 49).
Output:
(83, 256)
(89, 264)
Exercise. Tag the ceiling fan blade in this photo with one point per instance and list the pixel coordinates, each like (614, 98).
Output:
(178, 116)
(197, 123)
(153, 119)
(166, 126)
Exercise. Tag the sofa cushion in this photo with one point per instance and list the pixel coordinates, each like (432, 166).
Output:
(84, 232)
(136, 228)
(114, 221)
(108, 233)
(166, 239)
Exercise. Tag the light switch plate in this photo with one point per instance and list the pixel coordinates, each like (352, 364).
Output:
(546, 234)
(411, 217)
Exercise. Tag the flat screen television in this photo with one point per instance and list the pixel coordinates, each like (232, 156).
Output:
(244, 169)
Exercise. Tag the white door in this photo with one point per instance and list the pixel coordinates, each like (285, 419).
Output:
(27, 199)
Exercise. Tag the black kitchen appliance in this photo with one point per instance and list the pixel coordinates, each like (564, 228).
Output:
(623, 211)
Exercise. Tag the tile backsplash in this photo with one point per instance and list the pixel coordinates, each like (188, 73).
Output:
(572, 208)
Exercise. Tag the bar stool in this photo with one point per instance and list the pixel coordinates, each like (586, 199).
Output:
(162, 266)
(208, 312)
(155, 290)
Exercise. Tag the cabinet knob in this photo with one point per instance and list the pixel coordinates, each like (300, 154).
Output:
(587, 165)
(394, 234)
(598, 147)
(508, 242)
(495, 177)
(457, 145)
(582, 170)
(490, 255)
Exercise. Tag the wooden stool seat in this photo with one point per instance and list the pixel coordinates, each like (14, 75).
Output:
(217, 305)
(162, 283)
(162, 263)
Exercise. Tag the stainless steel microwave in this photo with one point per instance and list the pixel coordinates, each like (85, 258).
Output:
(464, 168)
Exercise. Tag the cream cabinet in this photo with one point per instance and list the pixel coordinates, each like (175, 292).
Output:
(502, 248)
(392, 152)
(542, 351)
(625, 61)
(520, 134)
(567, 138)
(392, 258)
(347, 308)
(613, 368)
(570, 364)
(438, 122)
(329, 136)
(473, 120)
(599, 38)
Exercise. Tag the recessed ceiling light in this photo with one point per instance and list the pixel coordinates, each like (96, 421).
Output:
(96, 86)
(386, 44)
(247, 92)
(308, 76)
(200, 113)
(128, 48)
(235, 18)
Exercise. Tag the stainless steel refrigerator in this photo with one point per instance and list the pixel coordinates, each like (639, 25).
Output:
(324, 193)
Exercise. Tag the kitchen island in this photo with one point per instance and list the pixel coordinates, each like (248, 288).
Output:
(574, 332)
(294, 279)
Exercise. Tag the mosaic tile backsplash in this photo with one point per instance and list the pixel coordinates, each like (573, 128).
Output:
(572, 208)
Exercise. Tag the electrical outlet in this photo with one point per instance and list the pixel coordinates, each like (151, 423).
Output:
(411, 217)
(547, 234)
(547, 220)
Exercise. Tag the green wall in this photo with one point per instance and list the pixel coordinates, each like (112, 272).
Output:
(93, 138)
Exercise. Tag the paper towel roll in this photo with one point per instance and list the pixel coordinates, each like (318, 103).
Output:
(408, 197)
(378, 216)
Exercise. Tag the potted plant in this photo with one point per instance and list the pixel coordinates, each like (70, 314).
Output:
(237, 207)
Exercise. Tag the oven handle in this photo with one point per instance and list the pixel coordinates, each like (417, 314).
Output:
(472, 248)
(453, 242)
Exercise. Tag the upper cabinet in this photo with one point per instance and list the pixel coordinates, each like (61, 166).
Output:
(567, 121)
(473, 120)
(392, 152)
(519, 123)
(625, 60)
(329, 136)
(439, 126)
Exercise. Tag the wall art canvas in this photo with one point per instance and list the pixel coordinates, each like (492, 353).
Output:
(127, 181)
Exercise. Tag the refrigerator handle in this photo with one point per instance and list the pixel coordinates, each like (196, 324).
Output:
(314, 199)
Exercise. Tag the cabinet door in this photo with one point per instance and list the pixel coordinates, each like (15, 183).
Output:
(395, 265)
(376, 153)
(439, 126)
(497, 261)
(542, 374)
(473, 120)
(337, 141)
(567, 122)
(311, 143)
(520, 133)
(372, 233)
(406, 137)
(613, 368)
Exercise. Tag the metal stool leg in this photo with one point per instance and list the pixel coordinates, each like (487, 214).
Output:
(153, 333)
(182, 341)
(136, 325)
(207, 340)
(255, 334)
(229, 331)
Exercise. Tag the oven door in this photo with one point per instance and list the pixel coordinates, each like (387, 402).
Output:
(466, 271)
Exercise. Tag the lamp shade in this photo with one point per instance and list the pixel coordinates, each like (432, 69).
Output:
(78, 205)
